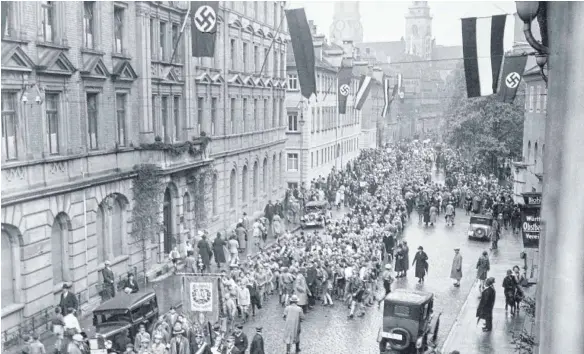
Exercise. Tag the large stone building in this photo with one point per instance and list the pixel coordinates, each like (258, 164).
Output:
(319, 138)
(91, 91)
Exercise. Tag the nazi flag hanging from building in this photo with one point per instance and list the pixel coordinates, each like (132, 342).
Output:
(204, 28)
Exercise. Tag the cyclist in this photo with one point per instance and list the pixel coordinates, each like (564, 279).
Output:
(450, 213)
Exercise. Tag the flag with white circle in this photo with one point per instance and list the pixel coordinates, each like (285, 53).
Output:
(344, 89)
(204, 27)
(513, 68)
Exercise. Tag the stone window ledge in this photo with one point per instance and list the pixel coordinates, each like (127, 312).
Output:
(10, 309)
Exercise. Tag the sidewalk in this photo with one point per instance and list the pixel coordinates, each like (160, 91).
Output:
(466, 335)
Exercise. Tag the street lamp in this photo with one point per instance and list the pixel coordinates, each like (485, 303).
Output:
(527, 12)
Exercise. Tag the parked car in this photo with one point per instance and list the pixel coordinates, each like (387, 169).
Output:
(315, 214)
(125, 312)
(480, 227)
(409, 324)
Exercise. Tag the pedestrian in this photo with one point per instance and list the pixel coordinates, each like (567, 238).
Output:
(190, 263)
(230, 347)
(241, 234)
(140, 336)
(159, 347)
(483, 267)
(71, 322)
(205, 252)
(486, 304)
(198, 344)
(76, 345)
(456, 269)
(399, 261)
(257, 343)
(300, 289)
(433, 214)
(109, 287)
(174, 257)
(179, 344)
(130, 285)
(421, 262)
(233, 246)
(406, 250)
(509, 289)
(293, 315)
(36, 347)
(241, 341)
(219, 250)
(58, 323)
(387, 280)
(68, 299)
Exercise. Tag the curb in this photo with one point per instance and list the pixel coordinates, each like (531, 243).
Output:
(464, 305)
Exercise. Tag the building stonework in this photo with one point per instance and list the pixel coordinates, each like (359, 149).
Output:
(88, 93)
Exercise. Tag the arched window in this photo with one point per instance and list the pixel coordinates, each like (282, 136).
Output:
(244, 184)
(274, 168)
(60, 249)
(265, 175)
(186, 203)
(111, 228)
(256, 176)
(8, 270)
(528, 151)
(232, 189)
(535, 156)
(280, 174)
(187, 212)
(214, 187)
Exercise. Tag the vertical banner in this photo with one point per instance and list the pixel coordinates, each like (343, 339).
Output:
(200, 298)
(303, 49)
(344, 87)
(204, 28)
(531, 220)
(513, 68)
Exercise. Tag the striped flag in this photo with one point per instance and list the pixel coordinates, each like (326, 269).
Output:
(482, 48)
(363, 91)
(386, 100)
(399, 88)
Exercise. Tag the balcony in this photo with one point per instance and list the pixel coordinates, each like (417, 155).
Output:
(22, 181)
(242, 142)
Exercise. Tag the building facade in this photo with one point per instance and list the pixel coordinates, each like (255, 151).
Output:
(92, 92)
(319, 138)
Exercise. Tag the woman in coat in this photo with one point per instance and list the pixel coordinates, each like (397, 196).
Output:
(509, 289)
(277, 226)
(421, 262)
(456, 269)
(406, 249)
(293, 315)
(219, 250)
(433, 215)
(426, 214)
(241, 234)
(301, 289)
(399, 261)
(483, 267)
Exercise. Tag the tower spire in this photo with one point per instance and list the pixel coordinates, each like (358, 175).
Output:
(346, 23)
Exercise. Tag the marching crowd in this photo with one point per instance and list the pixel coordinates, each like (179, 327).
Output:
(346, 263)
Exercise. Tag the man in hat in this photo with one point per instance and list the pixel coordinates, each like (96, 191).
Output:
(486, 304)
(179, 344)
(108, 281)
(142, 334)
(198, 344)
(257, 343)
(456, 270)
(241, 341)
(230, 347)
(293, 315)
(130, 349)
(158, 347)
(68, 299)
(144, 346)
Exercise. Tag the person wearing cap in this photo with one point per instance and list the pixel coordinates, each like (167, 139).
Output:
(230, 347)
(421, 263)
(68, 299)
(257, 343)
(130, 349)
(158, 346)
(486, 304)
(456, 269)
(241, 341)
(179, 344)
(198, 344)
(144, 347)
(293, 315)
(109, 287)
(140, 336)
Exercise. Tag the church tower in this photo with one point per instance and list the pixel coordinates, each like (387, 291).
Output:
(419, 30)
(346, 24)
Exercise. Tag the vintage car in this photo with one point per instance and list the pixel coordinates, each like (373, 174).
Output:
(409, 324)
(480, 227)
(315, 214)
(125, 312)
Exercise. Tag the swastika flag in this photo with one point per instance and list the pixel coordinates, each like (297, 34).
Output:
(344, 87)
(204, 27)
(513, 68)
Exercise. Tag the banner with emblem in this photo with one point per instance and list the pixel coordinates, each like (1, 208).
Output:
(513, 68)
(201, 298)
(204, 27)
(344, 87)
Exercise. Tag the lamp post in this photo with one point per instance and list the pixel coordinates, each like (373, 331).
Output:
(527, 12)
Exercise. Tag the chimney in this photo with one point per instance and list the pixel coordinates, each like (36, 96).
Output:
(348, 50)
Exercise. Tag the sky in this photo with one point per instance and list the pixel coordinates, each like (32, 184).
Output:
(384, 20)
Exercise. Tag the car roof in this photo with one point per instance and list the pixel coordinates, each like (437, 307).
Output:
(412, 297)
(126, 301)
(316, 203)
(481, 217)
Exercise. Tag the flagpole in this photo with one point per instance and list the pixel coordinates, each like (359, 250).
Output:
(272, 43)
(175, 45)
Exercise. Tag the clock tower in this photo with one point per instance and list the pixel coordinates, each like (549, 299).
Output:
(346, 24)
(419, 30)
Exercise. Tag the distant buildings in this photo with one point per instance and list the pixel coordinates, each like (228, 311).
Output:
(319, 138)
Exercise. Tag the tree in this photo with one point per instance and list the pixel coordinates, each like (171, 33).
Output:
(483, 127)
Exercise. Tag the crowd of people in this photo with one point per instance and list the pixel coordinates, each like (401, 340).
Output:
(347, 262)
